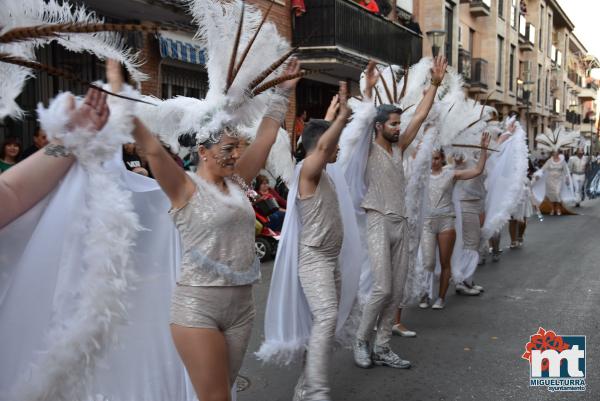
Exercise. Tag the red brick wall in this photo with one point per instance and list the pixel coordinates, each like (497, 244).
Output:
(151, 55)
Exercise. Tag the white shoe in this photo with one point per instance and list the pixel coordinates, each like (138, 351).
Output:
(463, 289)
(438, 304)
(402, 333)
(424, 304)
(476, 287)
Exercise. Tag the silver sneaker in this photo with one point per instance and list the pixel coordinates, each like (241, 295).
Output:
(299, 389)
(384, 356)
(362, 355)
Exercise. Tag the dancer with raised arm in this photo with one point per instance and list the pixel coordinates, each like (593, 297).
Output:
(383, 203)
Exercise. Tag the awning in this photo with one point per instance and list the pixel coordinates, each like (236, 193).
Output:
(178, 46)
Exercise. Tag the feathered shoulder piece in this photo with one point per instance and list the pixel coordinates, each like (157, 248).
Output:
(28, 24)
(244, 54)
(553, 141)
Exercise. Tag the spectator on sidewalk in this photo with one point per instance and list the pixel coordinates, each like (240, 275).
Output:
(39, 141)
(9, 153)
(132, 160)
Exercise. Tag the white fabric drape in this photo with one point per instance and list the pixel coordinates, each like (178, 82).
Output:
(505, 171)
(42, 270)
(288, 320)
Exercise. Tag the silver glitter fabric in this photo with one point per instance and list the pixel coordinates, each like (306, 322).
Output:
(556, 174)
(440, 193)
(318, 271)
(387, 240)
(471, 230)
(217, 235)
(433, 226)
(385, 182)
(228, 309)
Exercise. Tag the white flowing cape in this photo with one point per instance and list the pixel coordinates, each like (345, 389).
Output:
(42, 274)
(288, 320)
(355, 143)
(505, 171)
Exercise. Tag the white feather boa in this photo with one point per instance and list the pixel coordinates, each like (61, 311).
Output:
(108, 227)
(29, 13)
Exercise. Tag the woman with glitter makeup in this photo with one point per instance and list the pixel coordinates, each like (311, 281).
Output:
(438, 229)
(212, 308)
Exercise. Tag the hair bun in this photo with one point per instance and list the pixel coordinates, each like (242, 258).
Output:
(187, 140)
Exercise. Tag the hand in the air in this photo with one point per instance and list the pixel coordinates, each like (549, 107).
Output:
(438, 70)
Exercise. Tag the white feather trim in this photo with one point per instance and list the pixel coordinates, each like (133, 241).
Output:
(109, 227)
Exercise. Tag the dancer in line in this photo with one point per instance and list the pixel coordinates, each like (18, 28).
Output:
(386, 226)
(438, 231)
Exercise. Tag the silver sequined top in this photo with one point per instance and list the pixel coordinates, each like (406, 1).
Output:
(217, 236)
(440, 194)
(473, 189)
(320, 215)
(385, 182)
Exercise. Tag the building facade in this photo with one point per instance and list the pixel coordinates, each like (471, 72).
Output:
(523, 55)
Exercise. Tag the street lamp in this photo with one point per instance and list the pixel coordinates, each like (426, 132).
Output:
(437, 38)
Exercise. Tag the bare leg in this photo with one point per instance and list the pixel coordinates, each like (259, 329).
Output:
(522, 227)
(512, 229)
(446, 241)
(205, 356)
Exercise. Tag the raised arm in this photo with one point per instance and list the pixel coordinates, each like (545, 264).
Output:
(170, 176)
(318, 158)
(478, 169)
(29, 181)
(255, 156)
(437, 75)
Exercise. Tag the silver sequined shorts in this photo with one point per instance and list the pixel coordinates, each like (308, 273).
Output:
(212, 307)
(439, 224)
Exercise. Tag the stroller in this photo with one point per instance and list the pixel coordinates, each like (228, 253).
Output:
(266, 240)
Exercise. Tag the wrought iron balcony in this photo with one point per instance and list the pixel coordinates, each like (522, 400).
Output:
(479, 75)
(343, 31)
(464, 64)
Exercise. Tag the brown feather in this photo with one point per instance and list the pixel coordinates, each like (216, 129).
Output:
(395, 84)
(485, 104)
(7, 58)
(251, 42)
(262, 76)
(52, 30)
(403, 92)
(458, 145)
(408, 108)
(236, 44)
(377, 95)
(385, 86)
(274, 82)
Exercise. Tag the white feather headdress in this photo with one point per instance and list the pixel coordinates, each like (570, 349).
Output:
(244, 52)
(553, 141)
(28, 24)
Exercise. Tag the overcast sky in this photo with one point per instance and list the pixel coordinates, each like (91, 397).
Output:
(585, 14)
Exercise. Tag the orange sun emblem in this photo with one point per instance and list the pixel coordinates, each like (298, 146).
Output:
(544, 340)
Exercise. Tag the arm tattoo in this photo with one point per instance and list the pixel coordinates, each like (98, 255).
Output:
(56, 150)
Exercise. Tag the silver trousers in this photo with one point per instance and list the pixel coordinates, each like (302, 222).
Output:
(387, 240)
(320, 280)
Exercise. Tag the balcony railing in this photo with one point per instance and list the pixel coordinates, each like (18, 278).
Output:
(338, 25)
(464, 64)
(526, 35)
(479, 73)
(480, 8)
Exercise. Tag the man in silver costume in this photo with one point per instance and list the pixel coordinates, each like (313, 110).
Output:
(387, 233)
(578, 166)
(320, 244)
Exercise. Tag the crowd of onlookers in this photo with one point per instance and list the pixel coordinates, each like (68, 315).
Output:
(12, 150)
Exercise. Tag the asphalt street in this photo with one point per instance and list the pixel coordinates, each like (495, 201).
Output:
(472, 349)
